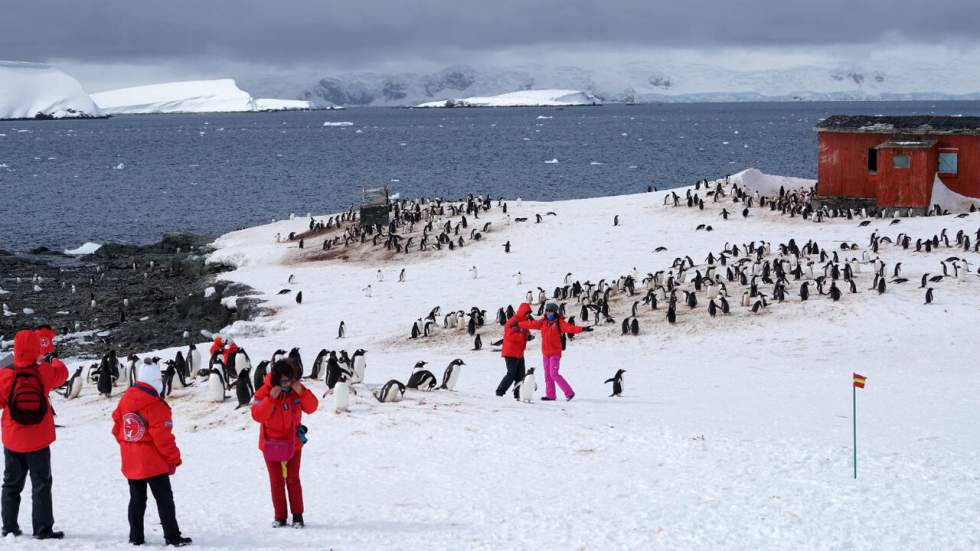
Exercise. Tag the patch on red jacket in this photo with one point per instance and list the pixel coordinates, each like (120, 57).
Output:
(133, 427)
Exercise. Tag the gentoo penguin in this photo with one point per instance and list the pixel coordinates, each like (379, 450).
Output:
(381, 275)
(617, 382)
(421, 379)
(929, 296)
(243, 388)
(105, 373)
(341, 394)
(216, 385)
(333, 371)
(128, 375)
(528, 386)
(451, 375)
(358, 365)
(297, 362)
(194, 359)
(242, 362)
(74, 385)
(401, 276)
(473, 270)
(342, 330)
(317, 370)
(259, 378)
(299, 297)
(634, 327)
(477, 342)
(392, 391)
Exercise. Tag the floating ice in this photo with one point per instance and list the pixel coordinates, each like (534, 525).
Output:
(339, 123)
(551, 162)
(543, 117)
(120, 166)
(595, 163)
(87, 248)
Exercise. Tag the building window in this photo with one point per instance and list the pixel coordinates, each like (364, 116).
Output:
(900, 161)
(872, 161)
(947, 162)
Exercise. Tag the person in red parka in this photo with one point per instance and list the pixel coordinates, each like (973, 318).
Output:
(143, 426)
(552, 327)
(230, 350)
(515, 341)
(217, 347)
(27, 428)
(279, 405)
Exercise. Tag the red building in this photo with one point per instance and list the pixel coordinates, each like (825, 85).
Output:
(893, 161)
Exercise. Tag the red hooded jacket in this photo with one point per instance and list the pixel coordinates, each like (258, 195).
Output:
(281, 416)
(550, 337)
(143, 426)
(515, 338)
(29, 438)
(229, 350)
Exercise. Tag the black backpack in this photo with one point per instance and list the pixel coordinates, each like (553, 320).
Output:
(26, 401)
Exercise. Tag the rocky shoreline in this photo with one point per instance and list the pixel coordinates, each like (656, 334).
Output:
(125, 297)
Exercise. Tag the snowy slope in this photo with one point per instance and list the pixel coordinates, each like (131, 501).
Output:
(733, 432)
(30, 89)
(192, 96)
(524, 98)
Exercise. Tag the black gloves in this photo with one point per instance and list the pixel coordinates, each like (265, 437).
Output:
(586, 329)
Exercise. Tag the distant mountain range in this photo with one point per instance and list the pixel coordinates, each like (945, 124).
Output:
(648, 83)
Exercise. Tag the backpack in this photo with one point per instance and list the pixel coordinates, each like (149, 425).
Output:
(27, 401)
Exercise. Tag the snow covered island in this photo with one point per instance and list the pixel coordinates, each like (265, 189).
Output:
(192, 96)
(39, 91)
(523, 98)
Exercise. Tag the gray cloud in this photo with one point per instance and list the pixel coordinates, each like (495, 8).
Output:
(372, 31)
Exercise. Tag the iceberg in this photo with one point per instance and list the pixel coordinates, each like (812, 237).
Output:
(524, 98)
(87, 248)
(191, 96)
(39, 91)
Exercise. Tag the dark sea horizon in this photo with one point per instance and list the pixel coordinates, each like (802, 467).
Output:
(134, 178)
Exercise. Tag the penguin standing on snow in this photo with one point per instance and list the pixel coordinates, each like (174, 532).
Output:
(243, 388)
(342, 330)
(105, 373)
(259, 378)
(358, 366)
(477, 342)
(297, 361)
(528, 386)
(617, 382)
(193, 360)
(333, 371)
(318, 364)
(451, 375)
(216, 384)
(74, 386)
(341, 395)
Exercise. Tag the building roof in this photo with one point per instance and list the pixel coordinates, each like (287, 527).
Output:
(914, 125)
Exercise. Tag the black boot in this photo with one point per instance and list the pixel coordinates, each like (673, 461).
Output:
(49, 535)
(179, 541)
(298, 521)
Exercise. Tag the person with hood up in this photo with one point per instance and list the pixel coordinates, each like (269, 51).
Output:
(143, 425)
(279, 405)
(515, 341)
(27, 427)
(552, 327)
(217, 347)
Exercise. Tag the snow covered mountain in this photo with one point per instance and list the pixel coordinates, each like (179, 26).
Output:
(526, 98)
(192, 96)
(653, 81)
(36, 90)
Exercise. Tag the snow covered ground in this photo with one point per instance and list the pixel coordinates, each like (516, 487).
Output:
(192, 96)
(29, 89)
(524, 98)
(733, 432)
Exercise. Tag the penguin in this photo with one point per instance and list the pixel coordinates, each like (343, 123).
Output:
(451, 375)
(104, 381)
(634, 327)
(333, 371)
(258, 379)
(297, 362)
(929, 296)
(181, 367)
(615, 220)
(359, 365)
(804, 291)
(216, 385)
(342, 330)
(74, 386)
(617, 382)
(401, 276)
(392, 391)
(528, 386)
(168, 378)
(242, 362)
(421, 379)
(341, 395)
(317, 369)
(193, 359)
(299, 297)
(128, 376)
(477, 342)
(671, 314)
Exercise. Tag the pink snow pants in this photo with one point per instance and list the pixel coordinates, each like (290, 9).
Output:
(551, 376)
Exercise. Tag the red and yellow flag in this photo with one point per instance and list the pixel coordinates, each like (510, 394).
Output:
(859, 380)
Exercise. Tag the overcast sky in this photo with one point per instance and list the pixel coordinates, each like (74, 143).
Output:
(197, 35)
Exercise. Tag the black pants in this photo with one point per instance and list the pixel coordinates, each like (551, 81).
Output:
(164, 496)
(16, 467)
(515, 373)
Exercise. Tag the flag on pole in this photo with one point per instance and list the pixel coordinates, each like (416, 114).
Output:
(859, 380)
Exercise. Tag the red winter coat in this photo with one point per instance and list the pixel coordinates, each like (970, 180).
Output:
(147, 446)
(515, 338)
(29, 438)
(550, 337)
(229, 350)
(217, 347)
(280, 416)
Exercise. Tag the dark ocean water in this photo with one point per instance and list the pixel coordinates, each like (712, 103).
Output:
(60, 185)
